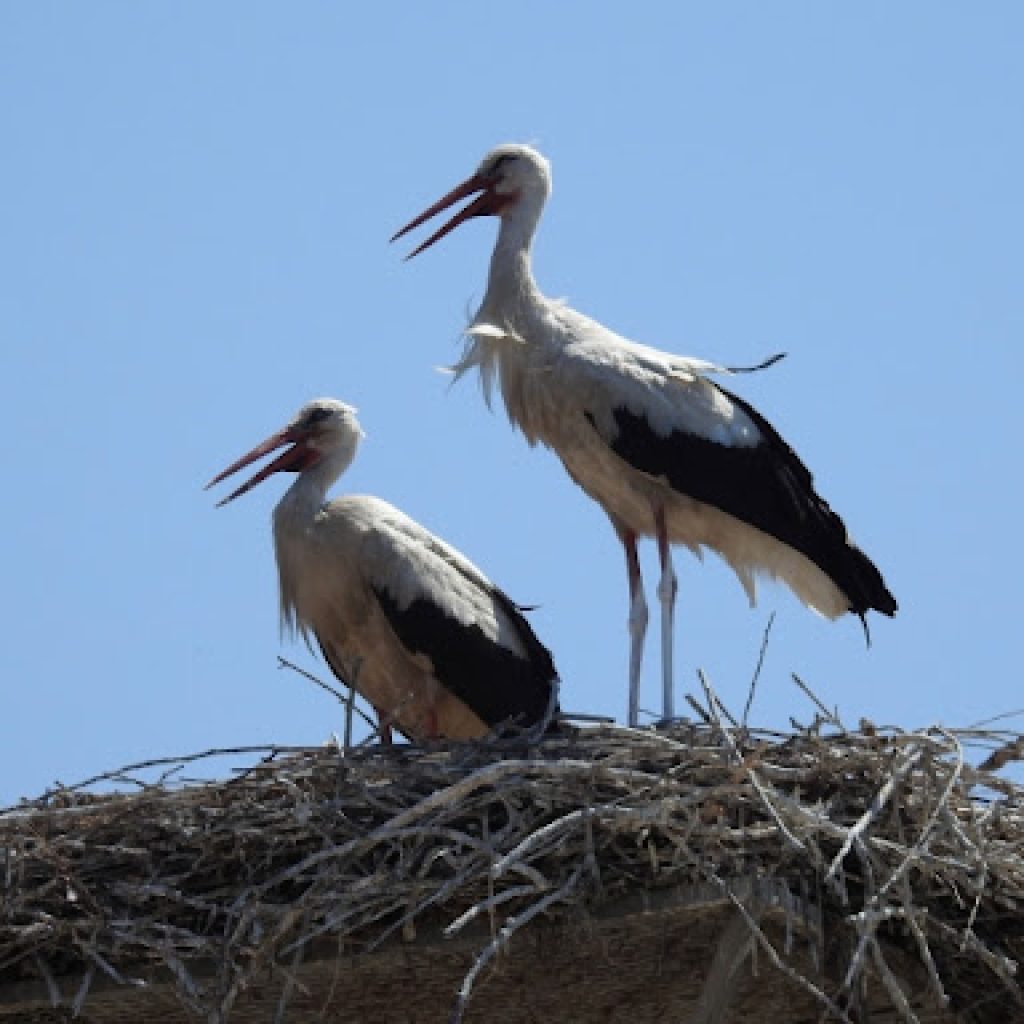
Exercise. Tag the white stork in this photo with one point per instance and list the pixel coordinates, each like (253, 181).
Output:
(416, 628)
(665, 450)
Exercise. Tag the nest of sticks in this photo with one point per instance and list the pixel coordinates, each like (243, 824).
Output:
(900, 843)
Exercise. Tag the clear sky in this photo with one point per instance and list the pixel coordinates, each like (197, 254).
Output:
(195, 202)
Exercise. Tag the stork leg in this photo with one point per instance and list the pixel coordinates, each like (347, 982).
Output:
(433, 725)
(667, 587)
(637, 622)
(383, 727)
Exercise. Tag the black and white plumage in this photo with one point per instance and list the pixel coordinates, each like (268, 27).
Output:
(414, 626)
(649, 435)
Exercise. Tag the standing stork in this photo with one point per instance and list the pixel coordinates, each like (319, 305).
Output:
(661, 447)
(415, 627)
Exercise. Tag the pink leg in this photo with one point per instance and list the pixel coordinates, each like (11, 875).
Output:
(636, 624)
(433, 726)
(667, 587)
(383, 727)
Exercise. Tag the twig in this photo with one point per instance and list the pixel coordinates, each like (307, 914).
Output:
(156, 762)
(501, 939)
(52, 988)
(875, 808)
(344, 699)
(910, 915)
(773, 955)
(1013, 750)
(489, 904)
(832, 717)
(892, 986)
(995, 718)
(757, 669)
(83, 990)
(762, 790)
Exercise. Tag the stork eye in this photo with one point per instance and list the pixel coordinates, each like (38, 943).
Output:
(504, 159)
(318, 416)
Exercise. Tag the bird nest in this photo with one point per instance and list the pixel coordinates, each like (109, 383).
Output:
(889, 853)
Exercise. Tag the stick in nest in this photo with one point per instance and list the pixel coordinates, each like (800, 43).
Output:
(757, 669)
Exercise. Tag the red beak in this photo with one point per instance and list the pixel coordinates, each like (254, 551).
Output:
(299, 457)
(487, 203)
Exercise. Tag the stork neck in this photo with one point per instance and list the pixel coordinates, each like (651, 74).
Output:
(304, 499)
(510, 279)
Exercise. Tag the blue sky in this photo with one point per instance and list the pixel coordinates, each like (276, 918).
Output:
(195, 202)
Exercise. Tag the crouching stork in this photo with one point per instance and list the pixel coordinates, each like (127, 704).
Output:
(414, 626)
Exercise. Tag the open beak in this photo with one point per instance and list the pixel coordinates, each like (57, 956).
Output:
(299, 457)
(488, 202)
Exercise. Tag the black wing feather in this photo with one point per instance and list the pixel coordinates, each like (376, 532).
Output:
(495, 683)
(764, 485)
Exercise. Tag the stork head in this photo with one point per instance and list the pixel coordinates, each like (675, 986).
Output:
(512, 180)
(323, 432)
